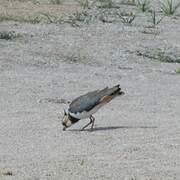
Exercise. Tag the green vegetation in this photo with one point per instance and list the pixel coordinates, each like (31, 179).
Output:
(154, 20)
(162, 55)
(81, 17)
(34, 20)
(105, 3)
(143, 5)
(169, 7)
(128, 2)
(84, 3)
(56, 1)
(178, 70)
(167, 58)
(126, 18)
(8, 35)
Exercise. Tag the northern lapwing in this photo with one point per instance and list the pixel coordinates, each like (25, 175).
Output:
(86, 105)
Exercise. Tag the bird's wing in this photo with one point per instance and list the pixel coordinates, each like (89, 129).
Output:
(91, 99)
(86, 102)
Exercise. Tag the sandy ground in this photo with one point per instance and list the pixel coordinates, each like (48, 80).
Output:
(136, 137)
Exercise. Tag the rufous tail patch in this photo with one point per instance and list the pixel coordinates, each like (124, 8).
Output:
(105, 99)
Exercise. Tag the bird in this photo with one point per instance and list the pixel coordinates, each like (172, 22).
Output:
(86, 105)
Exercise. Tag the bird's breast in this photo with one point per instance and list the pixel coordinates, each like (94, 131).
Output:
(86, 114)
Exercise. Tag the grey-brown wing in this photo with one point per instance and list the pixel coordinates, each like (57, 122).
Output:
(86, 102)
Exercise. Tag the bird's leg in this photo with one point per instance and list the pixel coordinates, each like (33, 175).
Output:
(92, 119)
(87, 125)
(92, 124)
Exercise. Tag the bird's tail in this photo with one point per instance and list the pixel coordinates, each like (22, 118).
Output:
(108, 94)
(115, 91)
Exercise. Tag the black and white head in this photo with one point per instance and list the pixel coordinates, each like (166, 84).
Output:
(66, 122)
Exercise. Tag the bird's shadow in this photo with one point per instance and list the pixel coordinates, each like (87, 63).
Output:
(107, 128)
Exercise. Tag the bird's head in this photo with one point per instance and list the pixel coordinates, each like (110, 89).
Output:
(66, 122)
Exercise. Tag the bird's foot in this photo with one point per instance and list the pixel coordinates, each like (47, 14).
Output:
(86, 126)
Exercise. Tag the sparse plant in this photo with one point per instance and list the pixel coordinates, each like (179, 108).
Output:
(78, 56)
(143, 5)
(178, 70)
(105, 3)
(167, 58)
(83, 17)
(35, 2)
(169, 7)
(129, 2)
(56, 1)
(165, 55)
(74, 19)
(154, 20)
(8, 35)
(82, 162)
(104, 19)
(150, 30)
(50, 18)
(84, 3)
(127, 18)
(4, 18)
(34, 20)
(28, 19)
